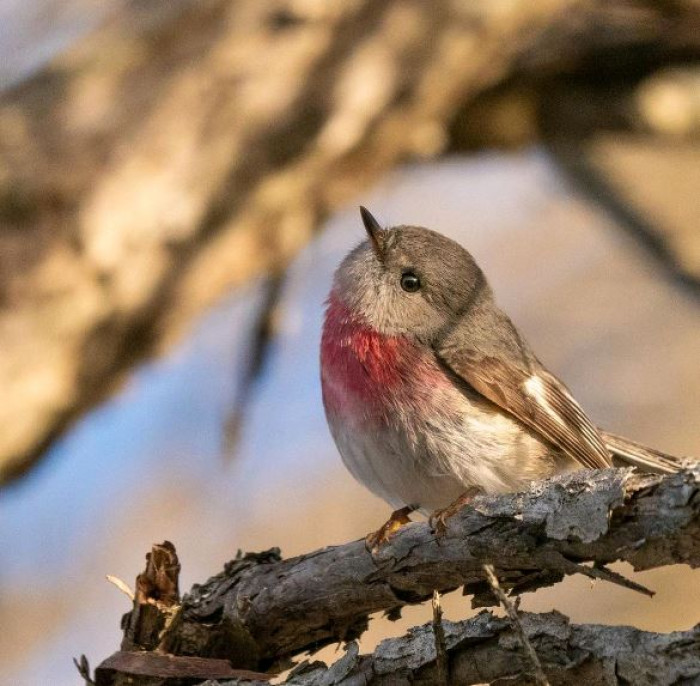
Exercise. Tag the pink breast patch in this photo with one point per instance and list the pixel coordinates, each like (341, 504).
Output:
(359, 365)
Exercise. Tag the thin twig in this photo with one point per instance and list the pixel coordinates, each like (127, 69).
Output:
(602, 572)
(440, 646)
(512, 613)
(121, 585)
(83, 667)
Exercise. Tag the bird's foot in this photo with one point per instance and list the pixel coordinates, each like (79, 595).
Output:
(380, 537)
(438, 520)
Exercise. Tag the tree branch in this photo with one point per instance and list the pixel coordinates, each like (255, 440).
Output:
(480, 650)
(262, 610)
(485, 650)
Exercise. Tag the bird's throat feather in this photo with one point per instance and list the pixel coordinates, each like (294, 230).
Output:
(362, 367)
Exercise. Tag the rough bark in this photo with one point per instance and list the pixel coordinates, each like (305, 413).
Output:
(187, 146)
(485, 650)
(156, 600)
(261, 610)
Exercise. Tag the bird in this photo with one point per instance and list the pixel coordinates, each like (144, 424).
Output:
(431, 393)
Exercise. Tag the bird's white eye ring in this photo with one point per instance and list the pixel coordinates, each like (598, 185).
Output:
(410, 282)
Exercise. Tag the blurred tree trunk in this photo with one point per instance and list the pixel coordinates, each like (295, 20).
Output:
(186, 147)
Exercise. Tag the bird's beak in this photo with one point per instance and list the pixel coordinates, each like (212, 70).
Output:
(374, 231)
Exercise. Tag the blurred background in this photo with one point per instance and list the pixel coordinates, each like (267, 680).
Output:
(178, 181)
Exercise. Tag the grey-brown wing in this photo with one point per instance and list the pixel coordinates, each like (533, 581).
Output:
(535, 397)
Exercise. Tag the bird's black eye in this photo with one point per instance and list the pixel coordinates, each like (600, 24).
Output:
(410, 282)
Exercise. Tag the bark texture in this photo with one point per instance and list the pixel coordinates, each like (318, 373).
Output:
(485, 650)
(188, 146)
(262, 610)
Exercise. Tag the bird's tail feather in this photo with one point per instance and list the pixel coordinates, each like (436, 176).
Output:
(637, 455)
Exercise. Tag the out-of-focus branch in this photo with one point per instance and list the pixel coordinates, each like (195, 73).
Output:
(262, 610)
(188, 146)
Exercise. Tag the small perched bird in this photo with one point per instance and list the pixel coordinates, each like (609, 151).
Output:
(431, 393)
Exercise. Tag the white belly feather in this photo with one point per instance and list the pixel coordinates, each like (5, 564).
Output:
(408, 460)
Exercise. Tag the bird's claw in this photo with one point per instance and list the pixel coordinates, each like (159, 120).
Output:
(381, 536)
(438, 520)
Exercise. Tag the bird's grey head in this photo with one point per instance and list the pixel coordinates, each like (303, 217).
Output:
(408, 280)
